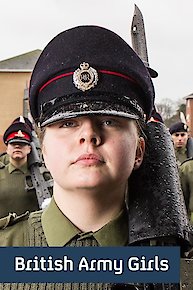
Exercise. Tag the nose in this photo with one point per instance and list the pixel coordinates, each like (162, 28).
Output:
(17, 145)
(90, 133)
(180, 138)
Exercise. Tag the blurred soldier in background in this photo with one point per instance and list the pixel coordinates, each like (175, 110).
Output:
(22, 173)
(4, 157)
(186, 177)
(183, 146)
(14, 171)
(179, 133)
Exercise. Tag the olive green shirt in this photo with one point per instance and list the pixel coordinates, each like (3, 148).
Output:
(13, 194)
(52, 228)
(181, 155)
(59, 230)
(4, 158)
(186, 177)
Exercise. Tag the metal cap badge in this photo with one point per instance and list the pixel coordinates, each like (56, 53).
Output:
(19, 134)
(85, 77)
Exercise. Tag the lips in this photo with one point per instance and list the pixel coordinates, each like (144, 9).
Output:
(90, 159)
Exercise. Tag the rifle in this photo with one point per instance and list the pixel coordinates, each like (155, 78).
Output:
(138, 39)
(140, 47)
(36, 166)
(37, 170)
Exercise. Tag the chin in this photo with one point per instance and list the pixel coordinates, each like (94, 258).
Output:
(90, 184)
(17, 158)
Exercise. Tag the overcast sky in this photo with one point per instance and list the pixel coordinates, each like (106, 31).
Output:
(28, 25)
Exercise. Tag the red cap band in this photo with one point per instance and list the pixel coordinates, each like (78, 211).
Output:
(101, 71)
(18, 134)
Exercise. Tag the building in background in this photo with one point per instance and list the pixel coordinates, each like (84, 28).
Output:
(15, 73)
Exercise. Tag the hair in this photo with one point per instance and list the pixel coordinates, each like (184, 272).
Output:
(40, 133)
(141, 127)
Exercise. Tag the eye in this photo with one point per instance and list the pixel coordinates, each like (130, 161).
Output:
(68, 124)
(110, 122)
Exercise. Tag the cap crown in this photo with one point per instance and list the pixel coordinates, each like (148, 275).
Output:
(103, 50)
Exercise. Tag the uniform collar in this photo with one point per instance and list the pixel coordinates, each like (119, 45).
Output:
(12, 168)
(59, 230)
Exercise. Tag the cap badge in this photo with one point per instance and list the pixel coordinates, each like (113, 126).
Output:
(19, 134)
(85, 77)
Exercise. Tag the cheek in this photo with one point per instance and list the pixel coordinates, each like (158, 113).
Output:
(48, 157)
(9, 151)
(53, 154)
(28, 151)
(124, 154)
(129, 153)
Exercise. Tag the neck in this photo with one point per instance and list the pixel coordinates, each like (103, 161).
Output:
(18, 162)
(89, 211)
(181, 149)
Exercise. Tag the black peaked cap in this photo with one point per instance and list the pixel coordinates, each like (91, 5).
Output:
(27, 122)
(16, 127)
(120, 73)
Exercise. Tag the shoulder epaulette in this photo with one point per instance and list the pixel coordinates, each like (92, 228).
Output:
(12, 219)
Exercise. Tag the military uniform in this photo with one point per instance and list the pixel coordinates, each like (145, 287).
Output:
(181, 155)
(14, 196)
(18, 191)
(14, 178)
(51, 228)
(186, 177)
(4, 158)
(17, 181)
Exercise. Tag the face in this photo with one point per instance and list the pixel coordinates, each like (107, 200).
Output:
(92, 152)
(180, 139)
(18, 151)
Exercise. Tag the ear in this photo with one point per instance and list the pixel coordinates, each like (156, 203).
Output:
(139, 153)
(43, 148)
(29, 149)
